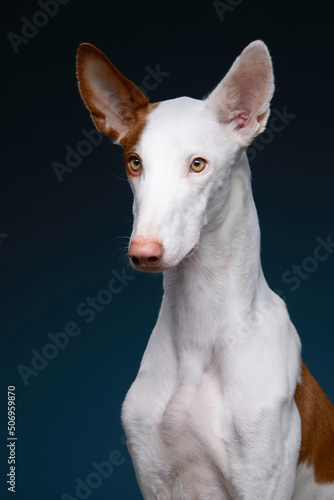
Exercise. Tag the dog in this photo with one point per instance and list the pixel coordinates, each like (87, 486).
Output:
(222, 407)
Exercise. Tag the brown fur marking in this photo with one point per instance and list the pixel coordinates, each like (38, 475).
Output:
(130, 100)
(131, 138)
(317, 417)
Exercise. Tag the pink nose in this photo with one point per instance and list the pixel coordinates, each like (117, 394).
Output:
(145, 253)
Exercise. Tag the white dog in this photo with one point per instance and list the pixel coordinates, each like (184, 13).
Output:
(222, 407)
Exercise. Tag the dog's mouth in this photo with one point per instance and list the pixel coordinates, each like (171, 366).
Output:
(151, 268)
(191, 251)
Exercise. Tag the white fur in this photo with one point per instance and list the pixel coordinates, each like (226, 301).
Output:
(211, 414)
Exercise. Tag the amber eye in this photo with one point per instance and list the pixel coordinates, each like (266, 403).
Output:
(134, 164)
(198, 164)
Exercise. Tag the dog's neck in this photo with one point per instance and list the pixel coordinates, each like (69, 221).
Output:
(221, 283)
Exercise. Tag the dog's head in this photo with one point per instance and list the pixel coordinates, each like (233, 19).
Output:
(179, 154)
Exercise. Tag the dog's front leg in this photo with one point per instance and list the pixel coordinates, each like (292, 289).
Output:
(264, 451)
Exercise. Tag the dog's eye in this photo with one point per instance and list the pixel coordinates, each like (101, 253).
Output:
(198, 164)
(134, 164)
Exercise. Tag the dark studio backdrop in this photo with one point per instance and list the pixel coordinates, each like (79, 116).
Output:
(70, 348)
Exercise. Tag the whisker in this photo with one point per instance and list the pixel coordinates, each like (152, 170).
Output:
(120, 178)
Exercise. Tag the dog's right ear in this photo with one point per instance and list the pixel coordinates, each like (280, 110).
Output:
(112, 99)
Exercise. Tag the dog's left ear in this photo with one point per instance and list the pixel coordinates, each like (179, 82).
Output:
(242, 98)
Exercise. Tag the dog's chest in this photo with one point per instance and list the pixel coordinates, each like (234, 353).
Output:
(179, 443)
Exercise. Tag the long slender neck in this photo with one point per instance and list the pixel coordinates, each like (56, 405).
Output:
(217, 287)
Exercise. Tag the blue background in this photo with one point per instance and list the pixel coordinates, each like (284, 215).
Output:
(59, 241)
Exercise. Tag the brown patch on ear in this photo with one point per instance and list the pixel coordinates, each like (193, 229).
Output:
(130, 140)
(112, 99)
(317, 417)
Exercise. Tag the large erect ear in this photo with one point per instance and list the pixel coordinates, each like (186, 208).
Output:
(112, 99)
(242, 98)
